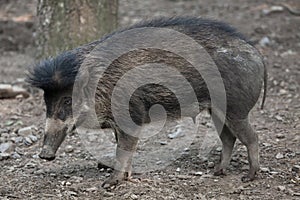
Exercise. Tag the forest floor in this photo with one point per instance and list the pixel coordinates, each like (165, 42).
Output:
(74, 174)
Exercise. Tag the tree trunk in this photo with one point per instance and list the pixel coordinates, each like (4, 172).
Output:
(65, 24)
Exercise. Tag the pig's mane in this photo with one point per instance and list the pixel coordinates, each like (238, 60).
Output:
(55, 73)
(60, 72)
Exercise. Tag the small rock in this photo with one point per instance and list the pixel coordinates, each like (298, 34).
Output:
(69, 149)
(267, 144)
(163, 143)
(186, 149)
(33, 138)
(26, 131)
(72, 193)
(264, 169)
(296, 168)
(198, 173)
(274, 172)
(158, 162)
(5, 135)
(279, 156)
(30, 165)
(178, 169)
(287, 53)
(278, 117)
(210, 164)
(92, 189)
(108, 194)
(183, 176)
(178, 133)
(208, 125)
(134, 197)
(5, 147)
(283, 91)
(18, 140)
(265, 41)
(15, 155)
(281, 188)
(203, 158)
(68, 184)
(276, 65)
(219, 149)
(207, 176)
(273, 9)
(280, 136)
(27, 141)
(35, 156)
(4, 156)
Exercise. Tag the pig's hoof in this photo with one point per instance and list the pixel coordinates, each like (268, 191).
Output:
(111, 183)
(219, 172)
(248, 178)
(134, 180)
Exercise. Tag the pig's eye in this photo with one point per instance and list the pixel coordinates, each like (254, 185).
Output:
(68, 101)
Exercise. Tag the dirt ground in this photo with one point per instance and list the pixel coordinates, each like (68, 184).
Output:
(75, 174)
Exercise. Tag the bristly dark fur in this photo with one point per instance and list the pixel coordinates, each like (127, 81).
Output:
(192, 22)
(60, 72)
(55, 73)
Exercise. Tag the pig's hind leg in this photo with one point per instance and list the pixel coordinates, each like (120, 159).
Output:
(228, 140)
(245, 133)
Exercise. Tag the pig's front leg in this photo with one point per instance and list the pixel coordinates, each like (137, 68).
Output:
(126, 146)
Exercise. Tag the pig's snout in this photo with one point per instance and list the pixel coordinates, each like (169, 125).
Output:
(47, 153)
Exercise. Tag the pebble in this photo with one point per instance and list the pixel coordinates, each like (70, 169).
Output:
(4, 147)
(134, 197)
(18, 140)
(15, 155)
(278, 117)
(92, 189)
(296, 168)
(281, 188)
(108, 194)
(267, 144)
(163, 143)
(264, 169)
(69, 149)
(33, 138)
(186, 149)
(30, 165)
(27, 141)
(178, 169)
(280, 136)
(72, 193)
(68, 184)
(178, 133)
(207, 176)
(279, 156)
(272, 9)
(183, 177)
(274, 172)
(158, 162)
(210, 164)
(4, 156)
(199, 173)
(264, 41)
(26, 131)
(219, 149)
